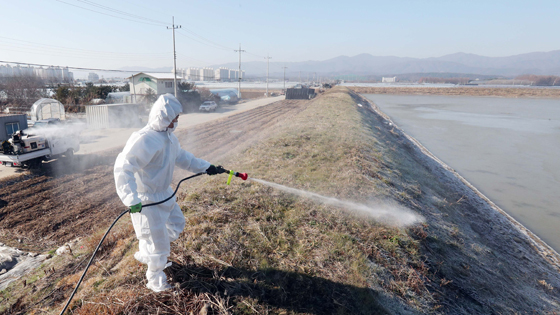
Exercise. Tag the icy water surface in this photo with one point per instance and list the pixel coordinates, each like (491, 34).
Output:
(508, 148)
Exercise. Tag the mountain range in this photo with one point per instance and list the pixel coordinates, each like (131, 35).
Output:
(367, 65)
(543, 63)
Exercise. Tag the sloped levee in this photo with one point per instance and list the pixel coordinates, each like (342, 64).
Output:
(483, 260)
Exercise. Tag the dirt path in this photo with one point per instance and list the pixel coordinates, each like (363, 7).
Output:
(69, 200)
(103, 139)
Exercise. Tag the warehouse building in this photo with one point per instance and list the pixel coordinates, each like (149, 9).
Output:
(142, 84)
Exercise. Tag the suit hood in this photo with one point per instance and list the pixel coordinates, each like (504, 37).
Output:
(164, 110)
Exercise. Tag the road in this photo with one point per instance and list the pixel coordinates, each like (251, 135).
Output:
(104, 139)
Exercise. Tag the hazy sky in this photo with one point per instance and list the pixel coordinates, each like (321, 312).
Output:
(59, 32)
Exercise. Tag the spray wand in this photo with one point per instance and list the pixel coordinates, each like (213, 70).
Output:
(243, 176)
(220, 169)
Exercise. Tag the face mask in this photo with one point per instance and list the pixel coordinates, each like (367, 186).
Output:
(172, 129)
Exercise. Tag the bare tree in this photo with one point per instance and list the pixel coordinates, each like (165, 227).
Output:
(22, 91)
(150, 97)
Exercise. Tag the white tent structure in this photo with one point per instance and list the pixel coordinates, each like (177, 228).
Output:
(47, 108)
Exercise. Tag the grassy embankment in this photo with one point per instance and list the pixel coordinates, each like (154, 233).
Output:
(251, 249)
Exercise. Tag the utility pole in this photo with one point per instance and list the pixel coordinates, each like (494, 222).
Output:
(267, 59)
(239, 77)
(284, 78)
(300, 77)
(173, 27)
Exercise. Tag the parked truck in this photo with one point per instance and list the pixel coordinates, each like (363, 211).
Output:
(300, 92)
(47, 140)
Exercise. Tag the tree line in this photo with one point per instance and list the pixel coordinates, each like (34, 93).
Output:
(83, 95)
(540, 80)
(19, 93)
(22, 91)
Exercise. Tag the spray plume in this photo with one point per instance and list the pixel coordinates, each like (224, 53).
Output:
(387, 214)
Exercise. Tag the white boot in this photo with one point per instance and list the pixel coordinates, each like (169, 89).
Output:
(138, 256)
(157, 281)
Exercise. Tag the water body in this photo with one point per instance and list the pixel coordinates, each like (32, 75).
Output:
(508, 148)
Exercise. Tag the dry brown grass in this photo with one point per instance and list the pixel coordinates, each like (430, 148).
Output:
(250, 249)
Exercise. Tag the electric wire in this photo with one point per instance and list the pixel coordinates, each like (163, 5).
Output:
(200, 37)
(141, 6)
(77, 49)
(80, 56)
(121, 12)
(118, 17)
(201, 42)
(106, 233)
(76, 68)
(249, 53)
(206, 39)
(140, 19)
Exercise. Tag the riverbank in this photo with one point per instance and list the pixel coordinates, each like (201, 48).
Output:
(249, 248)
(506, 147)
(461, 91)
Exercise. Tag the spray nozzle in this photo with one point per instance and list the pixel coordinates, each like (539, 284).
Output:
(243, 176)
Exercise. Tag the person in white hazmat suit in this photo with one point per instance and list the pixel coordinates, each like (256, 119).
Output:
(143, 173)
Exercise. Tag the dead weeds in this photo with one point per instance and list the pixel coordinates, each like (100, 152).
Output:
(249, 249)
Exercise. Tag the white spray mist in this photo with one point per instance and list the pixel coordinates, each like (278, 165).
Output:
(384, 213)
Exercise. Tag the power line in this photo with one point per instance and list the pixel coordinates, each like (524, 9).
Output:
(90, 55)
(204, 43)
(121, 12)
(255, 55)
(206, 39)
(140, 19)
(188, 57)
(76, 49)
(141, 6)
(81, 56)
(118, 17)
(75, 68)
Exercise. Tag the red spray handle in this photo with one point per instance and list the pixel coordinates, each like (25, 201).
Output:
(243, 176)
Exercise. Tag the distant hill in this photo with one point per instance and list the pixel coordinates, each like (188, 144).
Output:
(368, 65)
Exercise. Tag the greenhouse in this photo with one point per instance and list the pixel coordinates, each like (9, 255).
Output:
(47, 108)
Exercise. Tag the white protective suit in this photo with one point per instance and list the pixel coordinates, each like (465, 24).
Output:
(143, 173)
